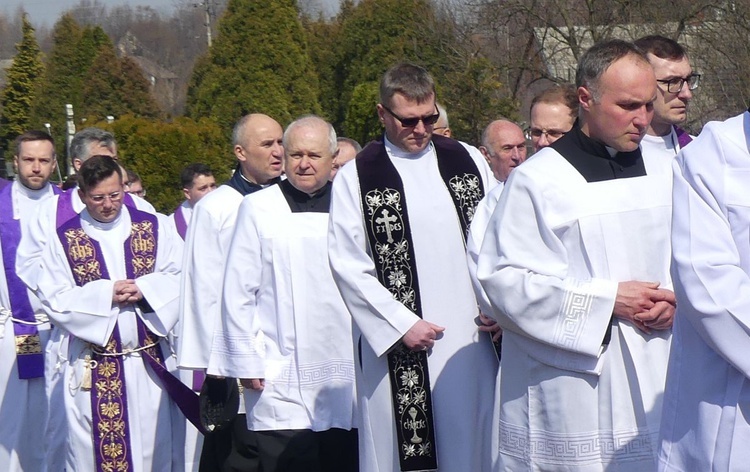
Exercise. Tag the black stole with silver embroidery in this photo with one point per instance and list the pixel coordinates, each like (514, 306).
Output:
(389, 235)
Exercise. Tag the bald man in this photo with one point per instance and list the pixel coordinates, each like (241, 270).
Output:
(257, 145)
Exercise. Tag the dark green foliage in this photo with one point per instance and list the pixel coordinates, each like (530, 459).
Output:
(474, 99)
(353, 51)
(158, 151)
(66, 65)
(258, 63)
(18, 93)
(115, 87)
(362, 122)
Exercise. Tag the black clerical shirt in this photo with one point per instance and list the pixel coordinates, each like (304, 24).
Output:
(593, 161)
(300, 202)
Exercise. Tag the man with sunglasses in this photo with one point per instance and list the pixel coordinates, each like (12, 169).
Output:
(398, 223)
(675, 82)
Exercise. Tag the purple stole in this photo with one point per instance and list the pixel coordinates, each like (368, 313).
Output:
(29, 355)
(180, 223)
(683, 138)
(388, 231)
(109, 394)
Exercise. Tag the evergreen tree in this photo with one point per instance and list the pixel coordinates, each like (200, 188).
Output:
(115, 87)
(61, 82)
(72, 54)
(136, 91)
(20, 87)
(258, 63)
(158, 151)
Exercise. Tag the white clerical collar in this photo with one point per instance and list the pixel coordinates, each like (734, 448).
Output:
(86, 216)
(396, 151)
(30, 193)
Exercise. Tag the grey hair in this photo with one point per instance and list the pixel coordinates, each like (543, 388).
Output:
(443, 114)
(312, 120)
(238, 134)
(599, 58)
(357, 147)
(486, 134)
(79, 145)
(410, 80)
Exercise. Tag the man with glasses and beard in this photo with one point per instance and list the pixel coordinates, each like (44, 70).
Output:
(398, 222)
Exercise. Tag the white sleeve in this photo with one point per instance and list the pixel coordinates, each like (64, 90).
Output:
(161, 289)
(203, 266)
(523, 268)
(86, 312)
(233, 351)
(711, 213)
(380, 317)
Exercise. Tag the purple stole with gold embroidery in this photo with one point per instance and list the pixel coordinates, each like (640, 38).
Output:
(29, 355)
(389, 236)
(108, 397)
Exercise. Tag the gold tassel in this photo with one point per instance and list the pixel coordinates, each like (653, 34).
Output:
(88, 364)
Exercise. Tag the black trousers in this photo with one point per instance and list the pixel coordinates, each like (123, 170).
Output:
(302, 450)
(236, 449)
(233, 449)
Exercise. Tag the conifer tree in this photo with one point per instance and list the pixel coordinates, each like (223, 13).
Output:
(258, 63)
(115, 87)
(21, 82)
(61, 82)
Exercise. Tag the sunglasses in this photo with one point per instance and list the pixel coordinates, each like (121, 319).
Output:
(428, 120)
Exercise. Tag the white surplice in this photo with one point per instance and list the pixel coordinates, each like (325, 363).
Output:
(23, 404)
(37, 231)
(462, 365)
(477, 229)
(666, 146)
(86, 315)
(705, 423)
(206, 246)
(283, 320)
(554, 252)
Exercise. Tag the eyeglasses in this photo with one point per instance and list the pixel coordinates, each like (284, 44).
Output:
(99, 199)
(675, 85)
(551, 134)
(141, 193)
(412, 122)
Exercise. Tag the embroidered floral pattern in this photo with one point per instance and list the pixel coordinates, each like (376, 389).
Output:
(466, 191)
(82, 256)
(412, 405)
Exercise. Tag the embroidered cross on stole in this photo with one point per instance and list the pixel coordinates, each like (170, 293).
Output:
(391, 245)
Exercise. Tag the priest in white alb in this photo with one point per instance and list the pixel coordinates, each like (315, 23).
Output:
(399, 219)
(575, 263)
(705, 424)
(110, 283)
(286, 332)
(257, 145)
(24, 326)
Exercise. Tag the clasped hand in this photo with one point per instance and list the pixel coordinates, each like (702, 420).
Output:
(645, 305)
(126, 291)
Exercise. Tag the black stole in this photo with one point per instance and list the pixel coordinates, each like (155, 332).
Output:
(389, 236)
